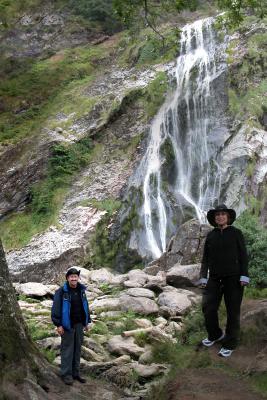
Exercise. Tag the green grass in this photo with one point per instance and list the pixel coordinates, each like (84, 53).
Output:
(155, 94)
(50, 355)
(259, 382)
(32, 94)
(37, 332)
(99, 328)
(255, 293)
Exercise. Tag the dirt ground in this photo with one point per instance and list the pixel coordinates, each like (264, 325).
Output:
(230, 381)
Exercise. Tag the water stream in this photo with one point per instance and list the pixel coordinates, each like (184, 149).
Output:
(180, 173)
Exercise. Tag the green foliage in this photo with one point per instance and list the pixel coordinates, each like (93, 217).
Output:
(149, 12)
(50, 355)
(142, 338)
(171, 353)
(37, 332)
(237, 9)
(99, 328)
(255, 293)
(145, 48)
(256, 240)
(155, 94)
(98, 12)
(194, 328)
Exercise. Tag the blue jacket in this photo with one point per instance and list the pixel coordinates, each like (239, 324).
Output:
(60, 312)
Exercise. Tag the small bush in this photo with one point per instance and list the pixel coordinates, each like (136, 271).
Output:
(256, 240)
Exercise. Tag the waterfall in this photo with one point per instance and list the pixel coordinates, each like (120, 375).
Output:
(180, 175)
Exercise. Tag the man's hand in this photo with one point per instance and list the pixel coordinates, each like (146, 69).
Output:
(88, 327)
(60, 330)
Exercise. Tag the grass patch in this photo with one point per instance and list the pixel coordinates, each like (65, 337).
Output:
(30, 95)
(99, 328)
(37, 332)
(259, 382)
(23, 297)
(255, 293)
(155, 94)
(50, 355)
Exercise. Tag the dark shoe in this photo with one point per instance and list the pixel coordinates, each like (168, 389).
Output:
(67, 380)
(79, 379)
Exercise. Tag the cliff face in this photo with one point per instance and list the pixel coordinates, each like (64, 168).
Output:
(75, 126)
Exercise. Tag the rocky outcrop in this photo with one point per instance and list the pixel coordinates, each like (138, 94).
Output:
(185, 248)
(42, 32)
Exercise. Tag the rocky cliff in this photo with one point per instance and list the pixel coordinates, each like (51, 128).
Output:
(76, 128)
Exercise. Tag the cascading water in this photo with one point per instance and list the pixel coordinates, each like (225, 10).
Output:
(179, 174)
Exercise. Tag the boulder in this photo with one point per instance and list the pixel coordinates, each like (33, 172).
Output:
(101, 275)
(143, 323)
(124, 345)
(105, 304)
(141, 305)
(185, 247)
(183, 275)
(91, 355)
(50, 343)
(176, 301)
(146, 358)
(147, 371)
(84, 274)
(138, 276)
(34, 289)
(140, 292)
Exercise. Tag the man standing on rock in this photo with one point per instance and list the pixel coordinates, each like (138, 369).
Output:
(70, 314)
(225, 259)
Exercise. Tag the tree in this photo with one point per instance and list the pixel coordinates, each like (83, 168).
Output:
(235, 10)
(23, 370)
(149, 11)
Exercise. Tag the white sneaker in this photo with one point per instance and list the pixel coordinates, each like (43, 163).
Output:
(208, 343)
(225, 352)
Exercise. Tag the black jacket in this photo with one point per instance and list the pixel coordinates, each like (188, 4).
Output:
(224, 254)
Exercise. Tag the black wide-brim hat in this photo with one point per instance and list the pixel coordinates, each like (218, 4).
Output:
(72, 271)
(221, 207)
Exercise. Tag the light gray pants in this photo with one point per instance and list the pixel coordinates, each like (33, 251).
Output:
(71, 343)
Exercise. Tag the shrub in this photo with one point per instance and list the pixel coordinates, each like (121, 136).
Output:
(256, 240)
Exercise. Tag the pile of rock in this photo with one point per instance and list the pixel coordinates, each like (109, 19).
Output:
(131, 313)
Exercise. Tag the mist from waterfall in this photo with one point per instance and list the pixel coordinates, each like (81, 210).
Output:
(179, 172)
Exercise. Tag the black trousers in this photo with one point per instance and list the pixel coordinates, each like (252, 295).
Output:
(232, 291)
(71, 343)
